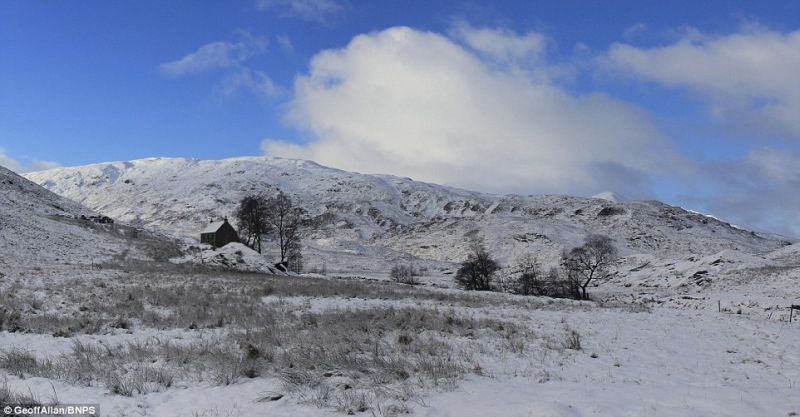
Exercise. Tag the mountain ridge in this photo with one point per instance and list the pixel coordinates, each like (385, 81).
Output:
(387, 218)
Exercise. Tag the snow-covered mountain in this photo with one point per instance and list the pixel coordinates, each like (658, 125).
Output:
(367, 222)
(39, 229)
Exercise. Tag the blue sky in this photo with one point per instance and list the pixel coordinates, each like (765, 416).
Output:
(704, 90)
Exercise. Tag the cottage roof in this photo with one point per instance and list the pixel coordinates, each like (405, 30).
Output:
(213, 227)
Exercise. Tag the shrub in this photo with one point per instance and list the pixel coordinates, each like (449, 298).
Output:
(560, 285)
(572, 340)
(532, 280)
(404, 274)
(7, 396)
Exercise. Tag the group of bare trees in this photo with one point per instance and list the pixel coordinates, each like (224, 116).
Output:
(251, 216)
(275, 218)
(579, 267)
(533, 279)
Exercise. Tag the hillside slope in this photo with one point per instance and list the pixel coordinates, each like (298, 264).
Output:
(366, 222)
(39, 229)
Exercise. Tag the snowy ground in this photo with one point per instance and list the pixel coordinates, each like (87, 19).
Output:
(694, 322)
(500, 354)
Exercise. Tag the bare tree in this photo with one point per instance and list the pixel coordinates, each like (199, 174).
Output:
(251, 216)
(477, 272)
(590, 262)
(286, 220)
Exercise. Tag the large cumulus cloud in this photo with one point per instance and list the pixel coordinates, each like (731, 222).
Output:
(436, 108)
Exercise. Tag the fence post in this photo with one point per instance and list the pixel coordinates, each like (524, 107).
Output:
(792, 308)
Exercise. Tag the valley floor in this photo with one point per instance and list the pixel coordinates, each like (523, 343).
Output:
(220, 344)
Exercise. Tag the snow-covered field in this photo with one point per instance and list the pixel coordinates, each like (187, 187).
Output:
(216, 344)
(695, 321)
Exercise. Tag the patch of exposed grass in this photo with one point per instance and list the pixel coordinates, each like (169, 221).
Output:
(375, 357)
(348, 360)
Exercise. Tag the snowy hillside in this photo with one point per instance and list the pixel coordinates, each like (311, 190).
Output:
(696, 303)
(366, 222)
(39, 229)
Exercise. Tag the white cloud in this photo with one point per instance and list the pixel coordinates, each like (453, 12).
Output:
(749, 78)
(418, 104)
(758, 189)
(285, 43)
(215, 55)
(20, 167)
(230, 56)
(312, 10)
(246, 79)
(502, 44)
(39, 165)
(776, 165)
(634, 30)
(9, 162)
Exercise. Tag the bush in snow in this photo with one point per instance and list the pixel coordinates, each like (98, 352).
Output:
(533, 280)
(572, 340)
(7, 396)
(404, 274)
(558, 284)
